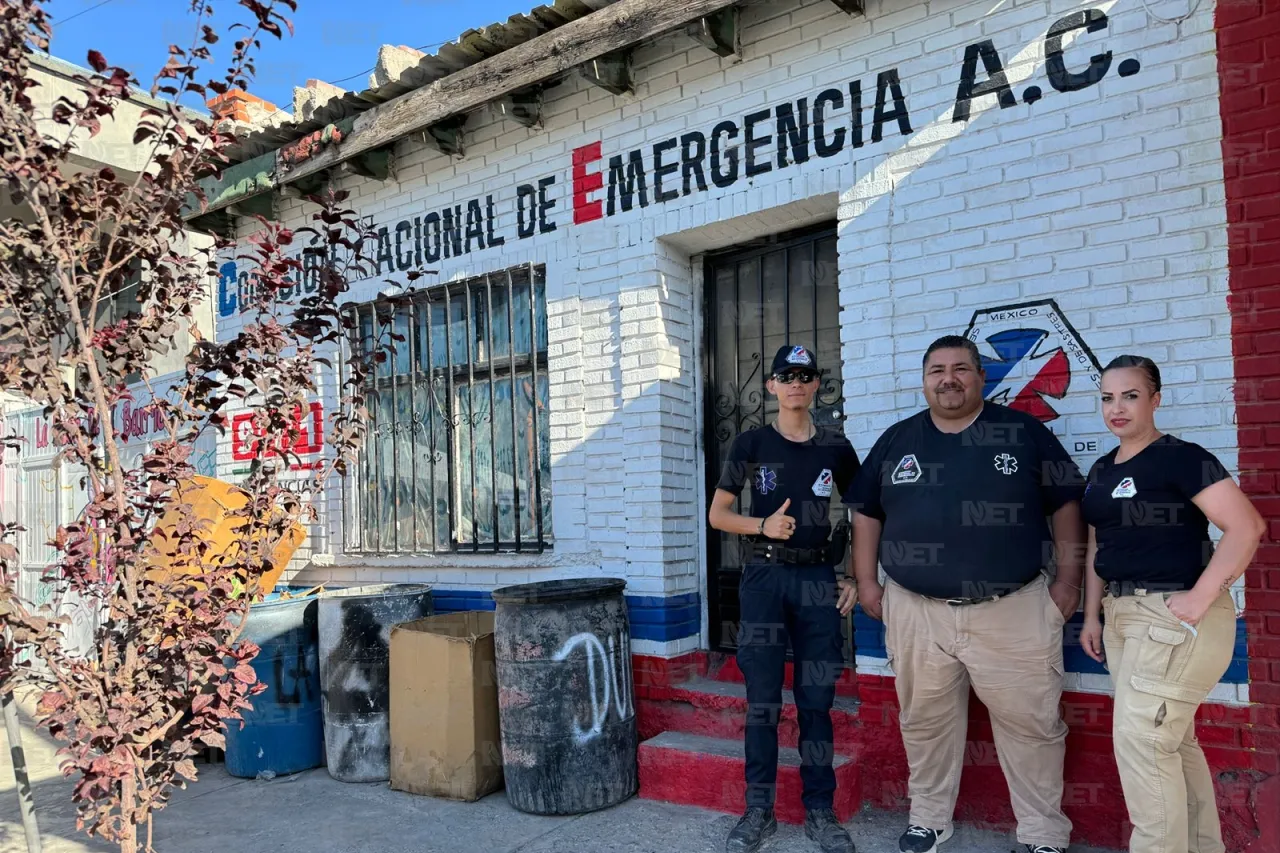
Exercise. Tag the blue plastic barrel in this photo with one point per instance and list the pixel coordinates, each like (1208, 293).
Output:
(284, 733)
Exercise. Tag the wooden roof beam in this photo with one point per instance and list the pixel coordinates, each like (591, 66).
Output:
(613, 28)
(720, 32)
(611, 72)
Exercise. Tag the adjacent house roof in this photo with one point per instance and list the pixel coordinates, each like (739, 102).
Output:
(403, 69)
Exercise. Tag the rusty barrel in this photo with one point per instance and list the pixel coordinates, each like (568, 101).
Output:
(355, 634)
(565, 695)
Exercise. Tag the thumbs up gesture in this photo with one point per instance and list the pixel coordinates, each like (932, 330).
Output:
(780, 525)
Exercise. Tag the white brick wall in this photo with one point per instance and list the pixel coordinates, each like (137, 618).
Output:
(1108, 200)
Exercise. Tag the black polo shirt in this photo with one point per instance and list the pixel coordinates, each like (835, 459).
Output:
(810, 473)
(1146, 526)
(965, 515)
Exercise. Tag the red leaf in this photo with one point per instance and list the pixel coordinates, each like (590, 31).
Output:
(204, 700)
(97, 61)
(244, 673)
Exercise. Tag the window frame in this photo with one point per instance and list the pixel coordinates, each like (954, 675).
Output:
(465, 435)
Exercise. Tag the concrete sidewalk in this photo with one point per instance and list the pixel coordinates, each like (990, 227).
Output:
(312, 812)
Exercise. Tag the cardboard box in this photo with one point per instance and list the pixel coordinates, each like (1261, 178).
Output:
(445, 740)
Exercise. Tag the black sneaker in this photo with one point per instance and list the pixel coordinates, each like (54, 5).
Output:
(919, 839)
(1044, 848)
(821, 825)
(756, 825)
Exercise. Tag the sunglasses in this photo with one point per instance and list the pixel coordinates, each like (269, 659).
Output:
(804, 376)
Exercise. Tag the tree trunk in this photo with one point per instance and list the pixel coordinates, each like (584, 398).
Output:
(26, 803)
(128, 804)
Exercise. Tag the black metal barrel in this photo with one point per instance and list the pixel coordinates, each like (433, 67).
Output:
(355, 632)
(565, 695)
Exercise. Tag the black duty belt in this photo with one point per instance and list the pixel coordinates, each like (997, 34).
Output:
(1118, 589)
(766, 551)
(772, 552)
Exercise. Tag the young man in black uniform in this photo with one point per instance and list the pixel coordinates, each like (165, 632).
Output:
(788, 589)
(955, 503)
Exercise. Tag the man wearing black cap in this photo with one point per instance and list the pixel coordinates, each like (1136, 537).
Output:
(788, 589)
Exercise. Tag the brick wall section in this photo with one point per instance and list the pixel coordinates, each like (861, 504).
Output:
(1249, 72)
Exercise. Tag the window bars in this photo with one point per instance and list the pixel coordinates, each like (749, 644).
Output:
(457, 455)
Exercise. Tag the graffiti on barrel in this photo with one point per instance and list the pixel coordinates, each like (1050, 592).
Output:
(355, 635)
(614, 680)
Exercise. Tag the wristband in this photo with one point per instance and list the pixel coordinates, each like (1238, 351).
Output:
(760, 532)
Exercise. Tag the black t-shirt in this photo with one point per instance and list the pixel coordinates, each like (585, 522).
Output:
(809, 472)
(1146, 526)
(965, 515)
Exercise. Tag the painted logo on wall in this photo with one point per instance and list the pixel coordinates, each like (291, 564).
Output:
(1033, 357)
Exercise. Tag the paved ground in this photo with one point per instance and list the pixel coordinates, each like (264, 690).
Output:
(311, 812)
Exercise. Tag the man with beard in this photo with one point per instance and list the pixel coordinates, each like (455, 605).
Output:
(957, 502)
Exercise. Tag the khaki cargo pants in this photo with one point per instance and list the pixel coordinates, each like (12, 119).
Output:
(1010, 650)
(1161, 673)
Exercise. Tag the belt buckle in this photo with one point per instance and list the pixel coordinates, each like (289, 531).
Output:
(955, 602)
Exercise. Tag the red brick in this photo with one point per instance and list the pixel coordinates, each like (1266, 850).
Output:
(1259, 306)
(1265, 253)
(1224, 714)
(1266, 761)
(1265, 716)
(1264, 694)
(1264, 601)
(1228, 758)
(1256, 209)
(1264, 740)
(1237, 101)
(1244, 233)
(1251, 318)
(1218, 735)
(1258, 365)
(1232, 12)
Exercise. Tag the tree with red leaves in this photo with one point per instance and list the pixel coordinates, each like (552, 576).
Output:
(167, 671)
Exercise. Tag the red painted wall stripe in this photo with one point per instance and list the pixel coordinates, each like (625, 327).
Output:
(1248, 36)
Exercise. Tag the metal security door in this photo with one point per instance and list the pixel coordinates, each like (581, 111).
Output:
(781, 289)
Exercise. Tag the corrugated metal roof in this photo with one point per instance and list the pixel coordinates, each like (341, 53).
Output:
(471, 47)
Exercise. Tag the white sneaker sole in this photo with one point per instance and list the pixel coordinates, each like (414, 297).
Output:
(942, 837)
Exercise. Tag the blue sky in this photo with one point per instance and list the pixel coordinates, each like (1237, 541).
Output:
(332, 41)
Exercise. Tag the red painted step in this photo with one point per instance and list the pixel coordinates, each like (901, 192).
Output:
(695, 770)
(718, 709)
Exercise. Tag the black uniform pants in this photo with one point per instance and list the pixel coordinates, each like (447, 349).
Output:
(797, 603)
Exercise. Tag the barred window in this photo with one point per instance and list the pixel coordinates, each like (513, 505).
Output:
(458, 456)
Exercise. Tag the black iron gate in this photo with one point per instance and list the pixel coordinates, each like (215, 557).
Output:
(781, 289)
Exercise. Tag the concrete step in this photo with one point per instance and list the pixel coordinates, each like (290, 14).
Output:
(697, 770)
(718, 709)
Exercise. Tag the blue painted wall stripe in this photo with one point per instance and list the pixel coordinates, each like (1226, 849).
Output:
(662, 619)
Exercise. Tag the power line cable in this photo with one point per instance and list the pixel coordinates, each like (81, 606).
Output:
(82, 12)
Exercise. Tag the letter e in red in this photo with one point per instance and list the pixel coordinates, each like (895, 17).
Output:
(585, 182)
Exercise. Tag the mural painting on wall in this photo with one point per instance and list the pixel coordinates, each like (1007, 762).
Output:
(246, 439)
(1036, 362)
(832, 120)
